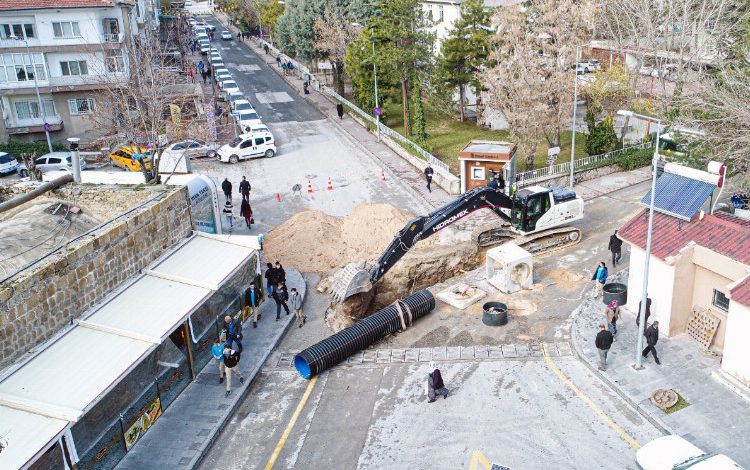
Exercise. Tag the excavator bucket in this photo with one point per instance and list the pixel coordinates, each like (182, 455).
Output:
(352, 279)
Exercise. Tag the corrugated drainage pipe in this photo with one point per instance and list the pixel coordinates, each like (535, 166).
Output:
(336, 348)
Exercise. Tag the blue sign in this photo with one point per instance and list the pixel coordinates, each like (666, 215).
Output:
(47, 127)
(377, 111)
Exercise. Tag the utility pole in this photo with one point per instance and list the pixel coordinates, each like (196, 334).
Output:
(36, 88)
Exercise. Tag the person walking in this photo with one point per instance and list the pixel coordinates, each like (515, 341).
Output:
(283, 67)
(648, 312)
(428, 171)
(600, 278)
(191, 75)
(208, 74)
(278, 60)
(603, 342)
(226, 187)
(251, 304)
(247, 213)
(233, 329)
(296, 300)
(201, 66)
(340, 110)
(217, 351)
(613, 314)
(245, 189)
(270, 278)
(290, 67)
(228, 213)
(280, 296)
(280, 273)
(203, 76)
(652, 337)
(435, 385)
(231, 361)
(615, 246)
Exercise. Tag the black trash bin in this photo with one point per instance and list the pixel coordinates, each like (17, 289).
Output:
(615, 291)
(495, 314)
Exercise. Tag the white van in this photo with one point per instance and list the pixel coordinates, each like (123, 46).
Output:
(248, 146)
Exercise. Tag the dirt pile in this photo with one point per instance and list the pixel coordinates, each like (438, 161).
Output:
(313, 241)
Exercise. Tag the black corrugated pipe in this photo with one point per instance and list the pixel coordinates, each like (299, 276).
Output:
(336, 348)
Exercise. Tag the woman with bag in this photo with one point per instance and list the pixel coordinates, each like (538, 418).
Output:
(247, 212)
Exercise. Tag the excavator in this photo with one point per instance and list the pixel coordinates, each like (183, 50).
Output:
(534, 218)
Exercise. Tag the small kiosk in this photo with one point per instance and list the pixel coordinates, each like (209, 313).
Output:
(481, 157)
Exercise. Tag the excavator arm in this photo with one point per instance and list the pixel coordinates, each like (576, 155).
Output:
(422, 227)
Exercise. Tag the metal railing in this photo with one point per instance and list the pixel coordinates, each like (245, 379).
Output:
(560, 169)
(434, 161)
(112, 37)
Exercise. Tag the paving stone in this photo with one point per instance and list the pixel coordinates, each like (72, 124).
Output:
(369, 356)
(425, 354)
(195, 446)
(509, 350)
(355, 358)
(383, 356)
(467, 352)
(204, 432)
(481, 352)
(522, 349)
(438, 353)
(453, 353)
(494, 352)
(411, 355)
(184, 461)
(398, 355)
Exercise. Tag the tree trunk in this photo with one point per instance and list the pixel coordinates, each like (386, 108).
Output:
(478, 93)
(530, 156)
(406, 104)
(338, 76)
(461, 102)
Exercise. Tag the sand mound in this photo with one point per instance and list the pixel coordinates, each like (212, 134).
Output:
(313, 241)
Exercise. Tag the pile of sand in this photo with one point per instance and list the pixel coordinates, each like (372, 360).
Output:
(313, 241)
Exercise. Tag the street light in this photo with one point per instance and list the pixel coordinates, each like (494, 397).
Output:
(575, 107)
(644, 289)
(375, 74)
(36, 87)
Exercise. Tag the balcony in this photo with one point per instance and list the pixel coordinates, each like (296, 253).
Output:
(30, 126)
(33, 42)
(112, 37)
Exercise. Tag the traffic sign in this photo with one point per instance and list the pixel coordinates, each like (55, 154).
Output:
(377, 111)
(47, 127)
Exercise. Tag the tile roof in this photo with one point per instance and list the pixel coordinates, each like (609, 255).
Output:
(741, 292)
(6, 5)
(721, 232)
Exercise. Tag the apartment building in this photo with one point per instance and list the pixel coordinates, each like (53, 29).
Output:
(65, 50)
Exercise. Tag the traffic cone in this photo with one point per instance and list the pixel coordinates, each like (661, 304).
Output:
(382, 175)
(278, 197)
(330, 184)
(309, 186)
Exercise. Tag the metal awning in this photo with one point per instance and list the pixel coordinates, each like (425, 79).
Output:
(22, 444)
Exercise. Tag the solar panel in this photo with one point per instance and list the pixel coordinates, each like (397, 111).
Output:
(679, 196)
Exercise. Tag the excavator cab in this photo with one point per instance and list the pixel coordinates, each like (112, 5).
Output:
(528, 207)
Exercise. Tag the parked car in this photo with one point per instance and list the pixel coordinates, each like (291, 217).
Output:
(257, 129)
(53, 161)
(123, 157)
(586, 67)
(247, 118)
(221, 75)
(241, 105)
(235, 96)
(248, 146)
(192, 21)
(229, 86)
(217, 62)
(675, 453)
(210, 27)
(191, 149)
(226, 35)
(215, 53)
(593, 64)
(8, 163)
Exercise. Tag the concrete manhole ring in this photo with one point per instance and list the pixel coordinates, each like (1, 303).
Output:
(664, 398)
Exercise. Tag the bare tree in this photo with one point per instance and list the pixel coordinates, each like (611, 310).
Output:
(334, 33)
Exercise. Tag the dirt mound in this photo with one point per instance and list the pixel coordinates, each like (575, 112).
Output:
(313, 241)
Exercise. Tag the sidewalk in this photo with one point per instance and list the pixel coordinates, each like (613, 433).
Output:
(188, 427)
(716, 420)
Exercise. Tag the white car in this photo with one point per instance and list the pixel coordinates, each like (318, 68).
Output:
(248, 146)
(247, 118)
(256, 129)
(226, 35)
(191, 149)
(222, 75)
(229, 86)
(54, 161)
(235, 96)
(593, 64)
(675, 453)
(584, 67)
(215, 54)
(242, 105)
(8, 163)
(217, 62)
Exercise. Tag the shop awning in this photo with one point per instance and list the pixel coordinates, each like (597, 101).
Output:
(22, 443)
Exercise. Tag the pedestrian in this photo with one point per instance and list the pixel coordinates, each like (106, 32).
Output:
(190, 75)
(265, 46)
(648, 312)
(231, 361)
(209, 72)
(306, 87)
(247, 213)
(239, 35)
(280, 273)
(296, 300)
(278, 60)
(245, 189)
(204, 75)
(217, 350)
(615, 246)
(652, 337)
(201, 66)
(428, 171)
(600, 277)
(283, 67)
(228, 212)
(290, 67)
(603, 342)
(250, 305)
(280, 296)
(340, 110)
(211, 35)
(226, 187)
(192, 47)
(613, 314)
(435, 385)
(270, 278)
(233, 329)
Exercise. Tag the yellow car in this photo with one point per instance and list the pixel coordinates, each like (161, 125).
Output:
(123, 157)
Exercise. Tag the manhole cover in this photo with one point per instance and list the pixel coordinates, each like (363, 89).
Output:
(664, 398)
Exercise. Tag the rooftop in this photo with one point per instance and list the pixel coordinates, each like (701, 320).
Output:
(9, 5)
(489, 147)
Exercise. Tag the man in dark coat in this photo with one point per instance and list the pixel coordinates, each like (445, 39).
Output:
(226, 187)
(270, 278)
(652, 337)
(615, 246)
(245, 189)
(233, 328)
(340, 110)
(280, 296)
(648, 311)
(428, 172)
(435, 385)
(603, 342)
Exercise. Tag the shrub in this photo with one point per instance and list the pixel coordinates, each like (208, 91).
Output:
(636, 158)
(40, 148)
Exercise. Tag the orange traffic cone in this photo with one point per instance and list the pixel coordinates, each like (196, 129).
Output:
(382, 175)
(330, 184)
(309, 186)
(278, 197)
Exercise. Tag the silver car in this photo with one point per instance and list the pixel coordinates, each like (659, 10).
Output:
(8, 163)
(192, 149)
(54, 161)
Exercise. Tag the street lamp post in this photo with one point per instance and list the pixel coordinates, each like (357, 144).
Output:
(575, 108)
(375, 76)
(36, 88)
(644, 289)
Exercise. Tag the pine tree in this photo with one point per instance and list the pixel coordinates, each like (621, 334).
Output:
(418, 119)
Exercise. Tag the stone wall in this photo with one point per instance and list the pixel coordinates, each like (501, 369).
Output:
(37, 303)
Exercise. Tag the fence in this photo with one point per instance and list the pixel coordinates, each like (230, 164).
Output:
(532, 176)
(434, 161)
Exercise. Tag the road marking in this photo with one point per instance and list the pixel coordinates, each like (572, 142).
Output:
(588, 401)
(290, 425)
(478, 457)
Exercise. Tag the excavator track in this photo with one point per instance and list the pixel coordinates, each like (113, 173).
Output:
(541, 242)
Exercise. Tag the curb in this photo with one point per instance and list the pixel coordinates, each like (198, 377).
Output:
(656, 422)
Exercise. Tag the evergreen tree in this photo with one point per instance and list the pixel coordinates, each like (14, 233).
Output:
(418, 119)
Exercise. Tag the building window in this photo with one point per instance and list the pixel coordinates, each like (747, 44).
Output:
(720, 301)
(440, 13)
(115, 61)
(30, 109)
(81, 106)
(74, 67)
(18, 67)
(18, 30)
(66, 29)
(477, 173)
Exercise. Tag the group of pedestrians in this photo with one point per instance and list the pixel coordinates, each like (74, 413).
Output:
(277, 290)
(242, 35)
(246, 210)
(204, 69)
